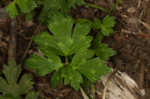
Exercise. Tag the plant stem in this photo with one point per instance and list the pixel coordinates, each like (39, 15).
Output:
(66, 60)
(97, 7)
(12, 40)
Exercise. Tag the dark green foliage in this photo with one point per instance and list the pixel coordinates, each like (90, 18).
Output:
(105, 26)
(53, 7)
(67, 41)
(67, 52)
(49, 7)
(25, 6)
(11, 87)
(103, 51)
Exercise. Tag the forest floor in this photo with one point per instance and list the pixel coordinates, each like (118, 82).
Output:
(131, 40)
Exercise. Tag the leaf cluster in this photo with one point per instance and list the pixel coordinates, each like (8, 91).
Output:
(104, 28)
(20, 6)
(67, 52)
(49, 7)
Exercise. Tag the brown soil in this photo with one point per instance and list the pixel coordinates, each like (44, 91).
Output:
(131, 40)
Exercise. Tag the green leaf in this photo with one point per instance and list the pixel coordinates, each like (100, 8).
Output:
(98, 39)
(62, 5)
(93, 69)
(3, 85)
(67, 41)
(12, 72)
(51, 8)
(71, 77)
(25, 83)
(26, 5)
(107, 25)
(103, 51)
(81, 28)
(43, 65)
(47, 44)
(12, 10)
(81, 58)
(10, 86)
(96, 23)
(56, 79)
(61, 29)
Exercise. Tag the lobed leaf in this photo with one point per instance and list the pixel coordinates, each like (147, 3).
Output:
(56, 79)
(71, 77)
(107, 25)
(26, 5)
(103, 51)
(93, 69)
(9, 86)
(42, 65)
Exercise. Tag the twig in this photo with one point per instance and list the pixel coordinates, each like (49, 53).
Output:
(107, 83)
(145, 25)
(27, 49)
(96, 7)
(12, 40)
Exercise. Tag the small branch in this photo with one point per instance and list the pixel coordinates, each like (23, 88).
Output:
(12, 40)
(27, 49)
(96, 7)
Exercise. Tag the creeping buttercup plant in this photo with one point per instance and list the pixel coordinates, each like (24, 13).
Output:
(12, 86)
(67, 53)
